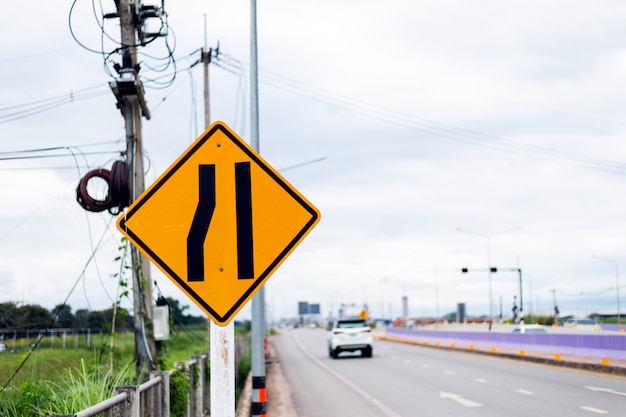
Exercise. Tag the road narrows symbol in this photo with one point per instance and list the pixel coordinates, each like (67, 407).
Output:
(204, 214)
(200, 224)
(243, 190)
(219, 222)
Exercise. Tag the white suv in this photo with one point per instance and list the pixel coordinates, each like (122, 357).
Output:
(350, 335)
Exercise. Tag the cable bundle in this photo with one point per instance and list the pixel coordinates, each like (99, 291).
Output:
(118, 194)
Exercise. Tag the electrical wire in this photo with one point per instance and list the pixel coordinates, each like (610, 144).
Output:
(21, 222)
(9, 113)
(152, 63)
(16, 158)
(422, 125)
(54, 153)
(35, 345)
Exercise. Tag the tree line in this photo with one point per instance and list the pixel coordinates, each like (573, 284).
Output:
(23, 317)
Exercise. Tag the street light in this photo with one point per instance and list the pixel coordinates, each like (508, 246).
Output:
(488, 237)
(616, 282)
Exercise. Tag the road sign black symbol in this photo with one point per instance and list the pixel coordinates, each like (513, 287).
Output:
(204, 213)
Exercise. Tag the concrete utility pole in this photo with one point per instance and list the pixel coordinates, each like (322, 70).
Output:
(206, 60)
(131, 101)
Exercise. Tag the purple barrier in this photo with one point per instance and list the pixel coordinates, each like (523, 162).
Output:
(613, 327)
(580, 344)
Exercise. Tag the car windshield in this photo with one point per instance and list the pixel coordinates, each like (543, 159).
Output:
(535, 330)
(350, 324)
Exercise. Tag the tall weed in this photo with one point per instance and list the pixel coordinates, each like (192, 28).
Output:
(81, 388)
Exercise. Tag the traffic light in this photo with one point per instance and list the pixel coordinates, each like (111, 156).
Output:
(464, 270)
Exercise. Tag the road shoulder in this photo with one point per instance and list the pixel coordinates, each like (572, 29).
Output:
(279, 402)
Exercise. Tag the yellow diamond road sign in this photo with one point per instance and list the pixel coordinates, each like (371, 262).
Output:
(218, 222)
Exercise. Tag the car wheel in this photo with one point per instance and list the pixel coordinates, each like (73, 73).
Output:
(367, 352)
(334, 353)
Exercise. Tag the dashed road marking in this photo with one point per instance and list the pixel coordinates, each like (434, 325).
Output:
(481, 380)
(524, 392)
(386, 411)
(594, 410)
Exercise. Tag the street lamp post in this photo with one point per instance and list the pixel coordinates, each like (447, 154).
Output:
(488, 237)
(616, 282)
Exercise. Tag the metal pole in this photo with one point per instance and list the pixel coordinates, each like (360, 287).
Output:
(619, 315)
(259, 399)
(489, 276)
(619, 319)
(556, 308)
(521, 299)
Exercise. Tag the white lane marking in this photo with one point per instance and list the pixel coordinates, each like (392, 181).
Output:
(594, 410)
(408, 361)
(481, 380)
(459, 399)
(449, 372)
(425, 366)
(368, 397)
(607, 390)
(524, 392)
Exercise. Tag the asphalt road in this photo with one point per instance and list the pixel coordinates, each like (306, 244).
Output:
(411, 380)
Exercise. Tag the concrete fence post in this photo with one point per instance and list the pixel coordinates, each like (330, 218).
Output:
(199, 386)
(164, 392)
(206, 384)
(132, 401)
(185, 366)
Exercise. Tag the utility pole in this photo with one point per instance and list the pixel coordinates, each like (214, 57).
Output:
(206, 60)
(128, 90)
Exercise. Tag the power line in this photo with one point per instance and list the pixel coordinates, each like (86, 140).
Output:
(14, 112)
(14, 158)
(422, 125)
(27, 356)
(52, 152)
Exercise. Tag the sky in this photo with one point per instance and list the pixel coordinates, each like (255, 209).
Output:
(432, 136)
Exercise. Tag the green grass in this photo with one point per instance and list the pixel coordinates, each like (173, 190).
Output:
(184, 344)
(55, 380)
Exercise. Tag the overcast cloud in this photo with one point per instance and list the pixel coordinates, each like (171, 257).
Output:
(431, 116)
